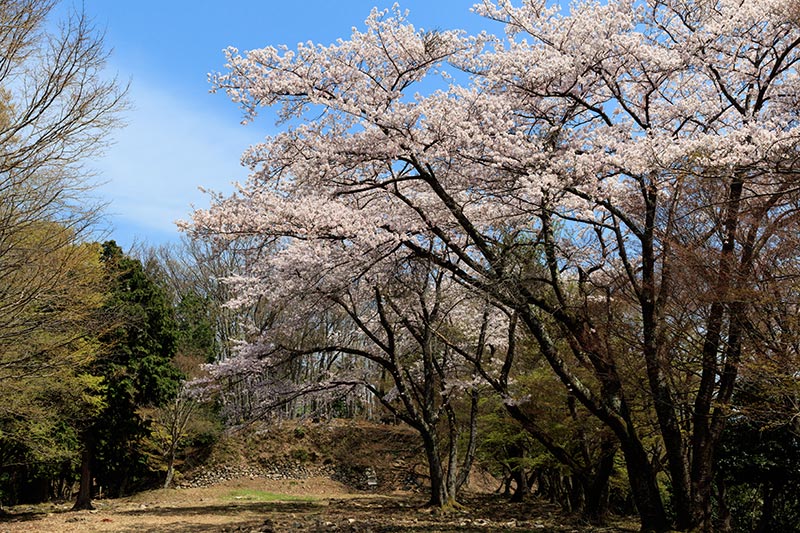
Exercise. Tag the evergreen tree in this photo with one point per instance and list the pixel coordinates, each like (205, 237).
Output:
(138, 370)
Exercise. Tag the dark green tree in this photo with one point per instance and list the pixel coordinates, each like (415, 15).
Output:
(138, 370)
(757, 478)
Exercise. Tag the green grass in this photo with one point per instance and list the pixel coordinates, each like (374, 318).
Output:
(252, 495)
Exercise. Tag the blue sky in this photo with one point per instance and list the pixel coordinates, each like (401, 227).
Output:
(178, 136)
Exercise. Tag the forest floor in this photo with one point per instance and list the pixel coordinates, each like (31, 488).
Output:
(316, 503)
(312, 505)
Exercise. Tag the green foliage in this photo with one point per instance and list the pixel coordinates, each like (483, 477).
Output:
(759, 467)
(499, 435)
(142, 347)
(47, 391)
(301, 455)
(195, 331)
(182, 430)
(138, 370)
(202, 434)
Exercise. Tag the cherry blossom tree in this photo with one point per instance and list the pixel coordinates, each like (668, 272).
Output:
(192, 272)
(689, 121)
(384, 334)
(511, 372)
(643, 151)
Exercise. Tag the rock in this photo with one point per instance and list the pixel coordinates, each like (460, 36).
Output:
(266, 527)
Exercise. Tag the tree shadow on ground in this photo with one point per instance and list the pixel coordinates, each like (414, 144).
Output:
(373, 514)
(233, 508)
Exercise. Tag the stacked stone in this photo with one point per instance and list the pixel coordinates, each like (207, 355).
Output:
(279, 469)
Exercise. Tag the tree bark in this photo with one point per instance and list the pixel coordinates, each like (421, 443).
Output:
(439, 496)
(596, 490)
(170, 472)
(522, 489)
(84, 500)
(472, 443)
(644, 488)
(723, 511)
(767, 508)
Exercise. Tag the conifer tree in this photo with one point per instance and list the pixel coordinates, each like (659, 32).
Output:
(138, 370)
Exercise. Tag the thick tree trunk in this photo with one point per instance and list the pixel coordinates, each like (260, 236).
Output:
(700, 511)
(438, 496)
(439, 493)
(522, 489)
(644, 487)
(84, 500)
(596, 490)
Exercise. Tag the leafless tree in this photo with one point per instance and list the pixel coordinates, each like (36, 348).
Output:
(56, 109)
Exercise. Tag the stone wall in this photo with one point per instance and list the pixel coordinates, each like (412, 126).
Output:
(214, 474)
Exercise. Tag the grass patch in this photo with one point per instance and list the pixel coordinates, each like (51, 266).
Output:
(252, 495)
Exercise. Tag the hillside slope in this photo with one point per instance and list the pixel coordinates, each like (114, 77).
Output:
(363, 456)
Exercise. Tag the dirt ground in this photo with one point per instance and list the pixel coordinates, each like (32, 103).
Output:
(312, 505)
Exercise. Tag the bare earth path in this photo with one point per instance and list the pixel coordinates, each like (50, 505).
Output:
(313, 505)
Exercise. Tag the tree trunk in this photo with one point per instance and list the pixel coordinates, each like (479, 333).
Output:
(452, 452)
(506, 486)
(723, 511)
(644, 487)
(767, 509)
(700, 511)
(84, 500)
(472, 443)
(596, 490)
(170, 472)
(516, 454)
(439, 496)
(522, 489)
(171, 452)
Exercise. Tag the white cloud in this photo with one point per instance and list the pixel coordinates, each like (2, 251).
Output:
(171, 146)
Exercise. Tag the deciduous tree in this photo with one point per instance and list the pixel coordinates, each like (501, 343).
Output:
(645, 150)
(388, 340)
(46, 389)
(56, 110)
